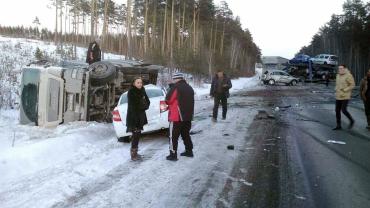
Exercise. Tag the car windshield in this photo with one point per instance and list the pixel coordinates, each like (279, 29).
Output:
(29, 94)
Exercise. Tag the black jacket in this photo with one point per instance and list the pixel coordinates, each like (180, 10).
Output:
(94, 48)
(185, 98)
(136, 117)
(215, 82)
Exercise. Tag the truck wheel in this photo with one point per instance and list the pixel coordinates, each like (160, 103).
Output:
(101, 73)
(271, 82)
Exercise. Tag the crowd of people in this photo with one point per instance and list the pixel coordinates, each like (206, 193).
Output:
(180, 101)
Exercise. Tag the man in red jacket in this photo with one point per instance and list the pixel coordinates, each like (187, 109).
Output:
(180, 101)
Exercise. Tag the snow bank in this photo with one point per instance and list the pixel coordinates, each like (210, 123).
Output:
(238, 84)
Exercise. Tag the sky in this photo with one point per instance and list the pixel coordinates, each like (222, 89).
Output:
(279, 27)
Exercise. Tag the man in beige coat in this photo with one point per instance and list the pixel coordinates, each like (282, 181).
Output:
(343, 91)
(365, 96)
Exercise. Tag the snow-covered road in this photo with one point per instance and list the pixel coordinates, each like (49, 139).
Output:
(82, 164)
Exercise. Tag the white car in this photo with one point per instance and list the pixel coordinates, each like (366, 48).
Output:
(157, 113)
(325, 59)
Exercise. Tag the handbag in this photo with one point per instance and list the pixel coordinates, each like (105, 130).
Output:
(144, 104)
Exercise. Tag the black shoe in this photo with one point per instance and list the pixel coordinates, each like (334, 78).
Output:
(223, 118)
(351, 124)
(187, 154)
(214, 120)
(337, 128)
(172, 157)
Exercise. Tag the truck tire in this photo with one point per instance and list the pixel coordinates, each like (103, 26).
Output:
(271, 82)
(101, 73)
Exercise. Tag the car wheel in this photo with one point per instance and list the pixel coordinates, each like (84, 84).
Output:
(271, 82)
(325, 63)
(125, 139)
(101, 73)
(294, 82)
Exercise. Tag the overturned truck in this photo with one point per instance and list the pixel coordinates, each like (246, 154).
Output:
(52, 95)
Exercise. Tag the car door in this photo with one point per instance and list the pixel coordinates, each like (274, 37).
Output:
(153, 113)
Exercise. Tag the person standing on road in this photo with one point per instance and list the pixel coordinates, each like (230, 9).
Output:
(343, 91)
(138, 103)
(180, 101)
(220, 87)
(93, 52)
(365, 96)
(327, 79)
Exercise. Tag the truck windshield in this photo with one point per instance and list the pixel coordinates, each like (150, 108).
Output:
(29, 95)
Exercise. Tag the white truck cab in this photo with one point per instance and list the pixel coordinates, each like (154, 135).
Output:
(51, 95)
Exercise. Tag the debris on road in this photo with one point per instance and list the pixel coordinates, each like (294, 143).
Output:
(230, 147)
(300, 197)
(277, 109)
(226, 135)
(336, 142)
(286, 106)
(195, 132)
(264, 115)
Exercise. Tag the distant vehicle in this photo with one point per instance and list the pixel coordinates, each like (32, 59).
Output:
(300, 59)
(157, 113)
(273, 77)
(325, 59)
(51, 95)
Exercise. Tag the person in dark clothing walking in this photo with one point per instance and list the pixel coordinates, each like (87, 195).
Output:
(365, 96)
(343, 92)
(180, 101)
(327, 79)
(220, 87)
(138, 103)
(93, 52)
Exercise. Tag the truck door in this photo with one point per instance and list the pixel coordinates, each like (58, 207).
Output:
(54, 108)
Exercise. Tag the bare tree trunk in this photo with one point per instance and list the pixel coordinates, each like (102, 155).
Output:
(172, 33)
(222, 39)
(146, 27)
(128, 26)
(164, 28)
(56, 23)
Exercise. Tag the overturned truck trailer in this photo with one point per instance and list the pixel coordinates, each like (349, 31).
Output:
(52, 95)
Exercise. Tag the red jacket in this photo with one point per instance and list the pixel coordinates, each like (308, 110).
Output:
(173, 108)
(180, 101)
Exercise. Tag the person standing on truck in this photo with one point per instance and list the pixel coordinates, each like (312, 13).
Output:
(138, 103)
(180, 101)
(365, 96)
(220, 87)
(93, 52)
(343, 91)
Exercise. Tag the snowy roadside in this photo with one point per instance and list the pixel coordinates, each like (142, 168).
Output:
(82, 165)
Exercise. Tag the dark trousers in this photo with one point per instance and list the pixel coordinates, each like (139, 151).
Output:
(223, 99)
(180, 128)
(367, 110)
(135, 139)
(341, 106)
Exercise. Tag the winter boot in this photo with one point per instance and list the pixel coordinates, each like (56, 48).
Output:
(337, 128)
(172, 156)
(352, 122)
(187, 153)
(134, 155)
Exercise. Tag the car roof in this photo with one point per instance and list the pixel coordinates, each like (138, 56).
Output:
(149, 87)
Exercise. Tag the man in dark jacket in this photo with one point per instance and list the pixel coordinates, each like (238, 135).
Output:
(93, 52)
(220, 87)
(180, 101)
(365, 96)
